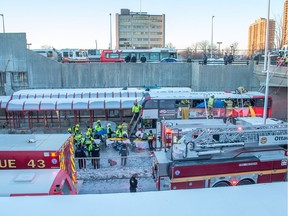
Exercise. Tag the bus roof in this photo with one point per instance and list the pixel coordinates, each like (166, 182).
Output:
(32, 142)
(93, 92)
(36, 181)
(202, 95)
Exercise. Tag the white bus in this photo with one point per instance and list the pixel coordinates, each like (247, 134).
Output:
(49, 53)
(152, 55)
(74, 56)
(94, 55)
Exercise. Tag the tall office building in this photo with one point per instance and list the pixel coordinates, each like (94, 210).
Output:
(257, 35)
(139, 30)
(285, 24)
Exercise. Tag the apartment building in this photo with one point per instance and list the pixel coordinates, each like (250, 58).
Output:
(285, 24)
(257, 35)
(139, 30)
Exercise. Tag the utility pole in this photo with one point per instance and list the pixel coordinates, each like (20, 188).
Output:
(3, 22)
(110, 45)
(211, 51)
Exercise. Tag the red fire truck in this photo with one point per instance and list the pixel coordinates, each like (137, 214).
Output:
(41, 151)
(35, 182)
(111, 56)
(207, 153)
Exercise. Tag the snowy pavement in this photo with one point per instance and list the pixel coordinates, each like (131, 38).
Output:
(115, 179)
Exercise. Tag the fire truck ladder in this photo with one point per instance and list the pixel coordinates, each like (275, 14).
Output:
(210, 138)
(134, 124)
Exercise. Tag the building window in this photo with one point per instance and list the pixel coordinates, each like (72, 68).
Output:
(19, 77)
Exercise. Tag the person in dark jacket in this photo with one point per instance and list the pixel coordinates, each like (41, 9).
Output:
(80, 153)
(143, 59)
(95, 153)
(225, 58)
(133, 59)
(230, 58)
(123, 153)
(205, 59)
(133, 183)
(127, 58)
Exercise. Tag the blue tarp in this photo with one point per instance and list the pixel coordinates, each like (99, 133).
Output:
(218, 104)
(104, 131)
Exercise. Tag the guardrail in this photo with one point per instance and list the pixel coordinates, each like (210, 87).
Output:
(240, 62)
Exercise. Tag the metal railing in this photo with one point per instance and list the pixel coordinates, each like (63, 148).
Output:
(238, 62)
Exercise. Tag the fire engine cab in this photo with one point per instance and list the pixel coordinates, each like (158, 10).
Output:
(203, 153)
(26, 159)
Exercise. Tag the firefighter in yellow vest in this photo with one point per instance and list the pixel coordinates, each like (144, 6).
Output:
(150, 136)
(88, 142)
(211, 102)
(241, 90)
(125, 126)
(119, 132)
(136, 110)
(77, 137)
(229, 107)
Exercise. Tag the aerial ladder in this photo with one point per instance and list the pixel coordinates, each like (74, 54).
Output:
(222, 139)
(133, 124)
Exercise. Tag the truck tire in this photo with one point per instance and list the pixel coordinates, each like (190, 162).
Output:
(221, 184)
(245, 182)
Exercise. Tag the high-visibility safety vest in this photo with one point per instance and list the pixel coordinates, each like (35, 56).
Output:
(119, 133)
(88, 141)
(98, 127)
(211, 102)
(150, 136)
(136, 109)
(229, 105)
(124, 126)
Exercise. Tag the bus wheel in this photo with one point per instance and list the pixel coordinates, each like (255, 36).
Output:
(221, 184)
(245, 182)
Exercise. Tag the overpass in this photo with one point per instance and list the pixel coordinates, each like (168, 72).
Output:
(21, 68)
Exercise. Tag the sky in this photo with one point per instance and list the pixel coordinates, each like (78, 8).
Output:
(79, 24)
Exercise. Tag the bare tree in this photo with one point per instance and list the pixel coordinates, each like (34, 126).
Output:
(203, 46)
(278, 31)
(170, 45)
(234, 47)
(46, 46)
(194, 47)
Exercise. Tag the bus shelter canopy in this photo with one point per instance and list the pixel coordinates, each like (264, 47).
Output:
(45, 104)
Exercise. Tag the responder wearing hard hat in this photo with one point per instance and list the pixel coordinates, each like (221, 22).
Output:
(211, 102)
(98, 127)
(119, 132)
(109, 131)
(136, 109)
(229, 107)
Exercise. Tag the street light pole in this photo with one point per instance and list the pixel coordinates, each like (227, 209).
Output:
(110, 46)
(219, 43)
(3, 22)
(266, 68)
(267, 36)
(96, 44)
(211, 51)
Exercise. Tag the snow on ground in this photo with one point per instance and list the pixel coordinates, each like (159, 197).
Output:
(249, 200)
(115, 179)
